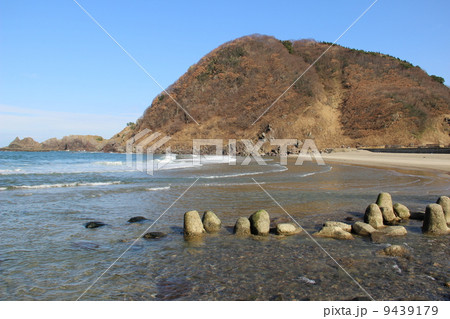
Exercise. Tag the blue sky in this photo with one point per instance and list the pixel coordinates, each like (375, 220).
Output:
(60, 74)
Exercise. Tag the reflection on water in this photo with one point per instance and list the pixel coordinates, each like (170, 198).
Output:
(47, 254)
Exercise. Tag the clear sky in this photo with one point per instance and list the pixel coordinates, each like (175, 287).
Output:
(60, 74)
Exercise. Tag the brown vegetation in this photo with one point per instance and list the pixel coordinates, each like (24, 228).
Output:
(349, 97)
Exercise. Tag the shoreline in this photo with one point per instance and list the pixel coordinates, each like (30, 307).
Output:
(421, 161)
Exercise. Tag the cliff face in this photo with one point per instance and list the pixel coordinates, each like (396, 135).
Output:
(348, 98)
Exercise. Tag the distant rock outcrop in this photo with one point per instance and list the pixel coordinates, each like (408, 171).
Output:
(88, 143)
(27, 144)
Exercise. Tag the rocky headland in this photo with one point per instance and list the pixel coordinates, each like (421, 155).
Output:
(349, 98)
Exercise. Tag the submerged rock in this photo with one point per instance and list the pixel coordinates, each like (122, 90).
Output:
(193, 225)
(333, 232)
(393, 231)
(395, 251)
(154, 235)
(260, 223)
(242, 227)
(380, 235)
(343, 226)
(137, 219)
(362, 229)
(211, 222)
(417, 215)
(85, 245)
(287, 229)
(434, 221)
(384, 201)
(444, 201)
(373, 216)
(94, 224)
(401, 211)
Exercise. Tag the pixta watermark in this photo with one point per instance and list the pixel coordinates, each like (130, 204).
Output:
(141, 149)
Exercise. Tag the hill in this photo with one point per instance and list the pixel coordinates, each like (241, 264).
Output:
(348, 98)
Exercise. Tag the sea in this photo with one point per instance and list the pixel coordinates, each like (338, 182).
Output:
(47, 253)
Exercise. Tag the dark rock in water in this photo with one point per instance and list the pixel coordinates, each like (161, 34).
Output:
(94, 224)
(137, 219)
(417, 215)
(85, 245)
(154, 235)
(349, 219)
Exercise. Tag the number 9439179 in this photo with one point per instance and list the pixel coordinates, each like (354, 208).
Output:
(411, 310)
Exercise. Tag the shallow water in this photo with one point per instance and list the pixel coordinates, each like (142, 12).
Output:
(47, 254)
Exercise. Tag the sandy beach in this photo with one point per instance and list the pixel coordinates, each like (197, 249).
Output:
(439, 162)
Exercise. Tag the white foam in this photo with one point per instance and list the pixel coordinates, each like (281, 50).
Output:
(9, 171)
(229, 184)
(158, 188)
(170, 161)
(64, 185)
(329, 168)
(246, 174)
(116, 163)
(308, 174)
(307, 280)
(3, 188)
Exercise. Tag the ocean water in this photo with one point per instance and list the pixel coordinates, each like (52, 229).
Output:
(46, 253)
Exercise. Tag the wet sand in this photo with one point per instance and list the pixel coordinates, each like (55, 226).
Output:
(440, 162)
